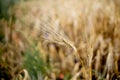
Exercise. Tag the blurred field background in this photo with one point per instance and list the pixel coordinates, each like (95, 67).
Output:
(59, 40)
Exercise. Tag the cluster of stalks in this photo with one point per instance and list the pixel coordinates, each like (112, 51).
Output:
(79, 39)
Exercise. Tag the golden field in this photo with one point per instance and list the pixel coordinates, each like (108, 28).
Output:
(62, 40)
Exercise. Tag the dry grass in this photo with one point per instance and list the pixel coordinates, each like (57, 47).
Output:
(91, 26)
(79, 37)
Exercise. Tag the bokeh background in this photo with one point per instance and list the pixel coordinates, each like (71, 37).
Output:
(59, 39)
